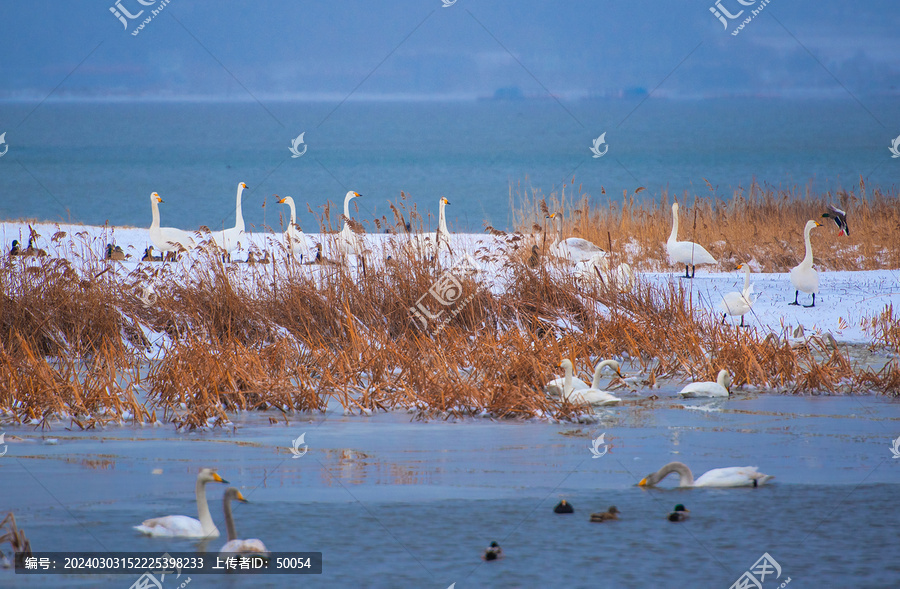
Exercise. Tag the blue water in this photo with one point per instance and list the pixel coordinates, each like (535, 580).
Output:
(393, 503)
(98, 162)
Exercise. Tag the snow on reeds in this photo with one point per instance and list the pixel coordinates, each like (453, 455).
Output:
(96, 341)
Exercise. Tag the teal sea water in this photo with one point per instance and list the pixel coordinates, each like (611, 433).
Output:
(98, 162)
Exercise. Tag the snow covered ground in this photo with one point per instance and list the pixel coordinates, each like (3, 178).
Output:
(845, 299)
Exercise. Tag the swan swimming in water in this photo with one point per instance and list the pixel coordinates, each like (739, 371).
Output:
(738, 304)
(167, 239)
(686, 252)
(708, 389)
(181, 525)
(234, 544)
(593, 395)
(803, 276)
(558, 386)
(732, 476)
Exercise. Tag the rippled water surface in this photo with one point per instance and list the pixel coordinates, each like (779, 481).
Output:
(397, 503)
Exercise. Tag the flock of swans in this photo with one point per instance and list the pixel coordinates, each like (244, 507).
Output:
(182, 526)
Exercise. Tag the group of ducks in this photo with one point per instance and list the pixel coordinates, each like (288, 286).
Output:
(574, 390)
(679, 514)
(182, 526)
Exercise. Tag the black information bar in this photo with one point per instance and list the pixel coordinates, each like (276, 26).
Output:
(174, 563)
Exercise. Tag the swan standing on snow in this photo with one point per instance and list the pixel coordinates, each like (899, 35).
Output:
(430, 243)
(573, 249)
(296, 239)
(709, 389)
(348, 240)
(167, 239)
(732, 476)
(182, 525)
(558, 386)
(228, 238)
(685, 252)
(234, 544)
(738, 304)
(803, 276)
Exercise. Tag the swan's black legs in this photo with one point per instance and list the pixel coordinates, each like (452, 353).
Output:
(686, 275)
(742, 320)
(693, 271)
(796, 294)
(723, 318)
(813, 303)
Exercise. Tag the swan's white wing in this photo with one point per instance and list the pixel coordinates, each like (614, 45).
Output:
(735, 303)
(703, 389)
(805, 279)
(733, 476)
(172, 526)
(593, 397)
(555, 386)
(686, 252)
(576, 249)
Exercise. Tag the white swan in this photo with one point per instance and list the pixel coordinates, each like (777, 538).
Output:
(430, 244)
(732, 476)
(597, 270)
(167, 239)
(182, 525)
(804, 277)
(234, 544)
(685, 252)
(738, 304)
(558, 386)
(228, 238)
(348, 240)
(293, 235)
(709, 389)
(573, 249)
(593, 395)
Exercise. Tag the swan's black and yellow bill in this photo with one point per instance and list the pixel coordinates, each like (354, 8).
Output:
(643, 482)
(218, 479)
(240, 497)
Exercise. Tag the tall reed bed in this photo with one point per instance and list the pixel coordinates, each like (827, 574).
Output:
(81, 337)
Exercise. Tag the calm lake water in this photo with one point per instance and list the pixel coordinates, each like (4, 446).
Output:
(397, 503)
(93, 163)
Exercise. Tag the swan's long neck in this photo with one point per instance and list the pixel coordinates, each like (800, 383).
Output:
(723, 379)
(203, 509)
(229, 520)
(347, 206)
(290, 204)
(673, 237)
(808, 258)
(686, 477)
(598, 372)
(567, 383)
(442, 220)
(238, 214)
(746, 279)
(155, 207)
